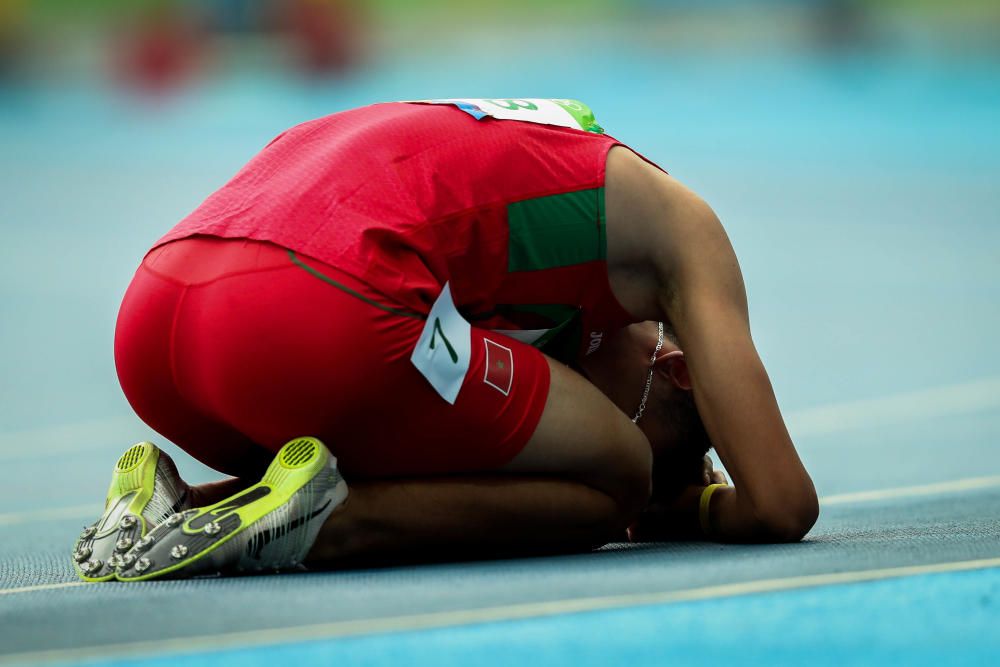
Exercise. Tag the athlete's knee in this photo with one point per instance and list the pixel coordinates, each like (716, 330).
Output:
(640, 475)
(583, 437)
(626, 473)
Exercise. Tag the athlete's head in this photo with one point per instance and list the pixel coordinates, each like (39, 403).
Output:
(680, 445)
(670, 420)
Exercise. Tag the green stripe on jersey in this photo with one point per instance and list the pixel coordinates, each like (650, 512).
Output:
(558, 230)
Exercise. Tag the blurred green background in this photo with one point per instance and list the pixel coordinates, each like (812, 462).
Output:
(158, 43)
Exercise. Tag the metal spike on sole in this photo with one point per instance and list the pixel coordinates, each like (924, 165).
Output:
(91, 566)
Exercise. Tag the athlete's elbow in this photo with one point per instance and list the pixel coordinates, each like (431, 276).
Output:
(790, 521)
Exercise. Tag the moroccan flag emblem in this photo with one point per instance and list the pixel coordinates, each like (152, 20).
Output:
(499, 367)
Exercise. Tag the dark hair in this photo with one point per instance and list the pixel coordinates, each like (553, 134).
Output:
(681, 463)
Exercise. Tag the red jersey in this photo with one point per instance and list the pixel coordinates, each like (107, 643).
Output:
(407, 197)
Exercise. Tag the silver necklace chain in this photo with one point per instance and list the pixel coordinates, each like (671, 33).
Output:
(649, 378)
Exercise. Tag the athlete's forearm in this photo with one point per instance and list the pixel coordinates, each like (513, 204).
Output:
(774, 497)
(729, 519)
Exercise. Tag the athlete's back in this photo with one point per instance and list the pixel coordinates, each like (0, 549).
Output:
(409, 196)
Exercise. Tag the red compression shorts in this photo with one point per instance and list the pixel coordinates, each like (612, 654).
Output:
(231, 347)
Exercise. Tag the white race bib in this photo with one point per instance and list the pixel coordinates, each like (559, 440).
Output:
(444, 349)
(565, 113)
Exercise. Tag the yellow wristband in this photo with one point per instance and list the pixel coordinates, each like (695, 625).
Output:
(703, 504)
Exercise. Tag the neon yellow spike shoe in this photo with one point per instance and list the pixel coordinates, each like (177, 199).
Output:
(269, 526)
(145, 489)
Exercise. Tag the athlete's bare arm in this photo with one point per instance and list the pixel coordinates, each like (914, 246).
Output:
(670, 259)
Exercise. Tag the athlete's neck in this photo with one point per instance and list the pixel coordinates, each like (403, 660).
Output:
(618, 367)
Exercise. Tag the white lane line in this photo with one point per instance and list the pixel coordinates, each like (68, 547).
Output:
(92, 511)
(43, 587)
(944, 401)
(416, 622)
(958, 485)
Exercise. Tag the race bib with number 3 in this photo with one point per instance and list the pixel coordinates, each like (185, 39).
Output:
(565, 113)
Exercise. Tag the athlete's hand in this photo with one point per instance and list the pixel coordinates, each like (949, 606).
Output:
(673, 473)
(710, 475)
(670, 521)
